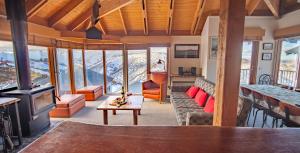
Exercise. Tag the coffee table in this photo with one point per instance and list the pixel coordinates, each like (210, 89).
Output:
(134, 103)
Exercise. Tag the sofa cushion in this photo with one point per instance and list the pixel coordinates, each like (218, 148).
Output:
(209, 107)
(179, 95)
(192, 91)
(68, 100)
(154, 91)
(150, 84)
(201, 98)
(181, 114)
(187, 103)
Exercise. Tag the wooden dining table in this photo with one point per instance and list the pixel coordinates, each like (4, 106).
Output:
(284, 95)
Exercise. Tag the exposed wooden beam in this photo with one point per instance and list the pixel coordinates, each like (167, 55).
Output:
(123, 22)
(100, 24)
(198, 16)
(58, 16)
(273, 5)
(170, 19)
(145, 19)
(252, 6)
(33, 6)
(231, 31)
(107, 7)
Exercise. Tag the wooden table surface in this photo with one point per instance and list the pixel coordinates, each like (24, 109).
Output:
(284, 95)
(134, 102)
(71, 137)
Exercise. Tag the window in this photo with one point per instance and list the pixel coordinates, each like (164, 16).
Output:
(289, 62)
(137, 70)
(158, 59)
(94, 67)
(8, 75)
(63, 71)
(39, 65)
(114, 70)
(246, 62)
(78, 68)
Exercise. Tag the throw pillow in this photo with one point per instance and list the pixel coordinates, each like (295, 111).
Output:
(192, 91)
(201, 98)
(209, 107)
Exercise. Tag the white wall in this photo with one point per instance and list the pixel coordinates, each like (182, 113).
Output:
(289, 19)
(270, 24)
(211, 29)
(184, 62)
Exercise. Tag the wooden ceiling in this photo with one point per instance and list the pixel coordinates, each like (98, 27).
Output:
(141, 17)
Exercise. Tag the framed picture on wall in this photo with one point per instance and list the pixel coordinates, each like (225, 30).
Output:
(267, 46)
(213, 50)
(187, 50)
(266, 56)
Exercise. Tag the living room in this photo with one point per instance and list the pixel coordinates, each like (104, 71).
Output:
(139, 75)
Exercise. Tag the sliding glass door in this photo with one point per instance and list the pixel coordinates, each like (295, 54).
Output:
(246, 62)
(114, 71)
(63, 70)
(289, 62)
(137, 70)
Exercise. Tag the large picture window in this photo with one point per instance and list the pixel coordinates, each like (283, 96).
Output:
(289, 62)
(114, 70)
(39, 65)
(94, 67)
(158, 59)
(137, 70)
(246, 62)
(8, 76)
(78, 68)
(63, 71)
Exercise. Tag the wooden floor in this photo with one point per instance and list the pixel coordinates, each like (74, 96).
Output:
(71, 137)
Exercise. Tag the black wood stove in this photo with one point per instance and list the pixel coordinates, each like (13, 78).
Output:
(34, 108)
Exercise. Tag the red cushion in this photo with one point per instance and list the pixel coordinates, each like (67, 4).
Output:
(192, 91)
(209, 107)
(201, 98)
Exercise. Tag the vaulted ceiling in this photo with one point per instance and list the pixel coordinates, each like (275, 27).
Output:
(141, 17)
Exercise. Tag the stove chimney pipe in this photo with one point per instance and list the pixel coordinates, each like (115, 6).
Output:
(16, 13)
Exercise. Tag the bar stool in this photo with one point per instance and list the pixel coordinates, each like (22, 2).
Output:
(247, 93)
(258, 104)
(290, 111)
(272, 111)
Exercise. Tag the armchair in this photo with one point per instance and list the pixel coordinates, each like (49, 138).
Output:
(156, 87)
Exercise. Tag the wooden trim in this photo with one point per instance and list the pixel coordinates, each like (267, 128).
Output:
(100, 24)
(52, 70)
(291, 31)
(125, 68)
(148, 62)
(254, 33)
(231, 33)
(104, 71)
(254, 62)
(84, 68)
(276, 60)
(71, 71)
